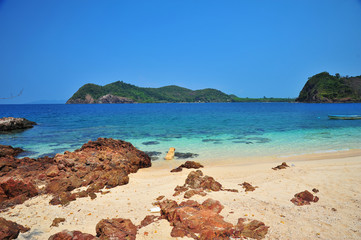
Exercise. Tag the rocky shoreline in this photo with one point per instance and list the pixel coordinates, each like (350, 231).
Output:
(10, 123)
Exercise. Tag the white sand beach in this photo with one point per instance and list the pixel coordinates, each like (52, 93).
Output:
(337, 214)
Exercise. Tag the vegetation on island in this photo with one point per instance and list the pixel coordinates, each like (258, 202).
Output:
(327, 88)
(92, 93)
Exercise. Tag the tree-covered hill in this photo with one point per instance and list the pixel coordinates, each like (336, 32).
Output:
(326, 88)
(92, 93)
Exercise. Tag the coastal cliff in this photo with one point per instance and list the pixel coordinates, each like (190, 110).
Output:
(120, 92)
(326, 88)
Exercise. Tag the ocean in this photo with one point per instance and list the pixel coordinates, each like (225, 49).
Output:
(213, 131)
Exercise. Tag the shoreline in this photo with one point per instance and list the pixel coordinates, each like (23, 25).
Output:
(336, 175)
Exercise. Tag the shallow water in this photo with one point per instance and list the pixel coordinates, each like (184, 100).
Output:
(212, 130)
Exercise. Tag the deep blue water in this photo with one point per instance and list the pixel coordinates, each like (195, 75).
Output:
(211, 130)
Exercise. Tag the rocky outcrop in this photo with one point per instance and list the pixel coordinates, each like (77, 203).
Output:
(114, 99)
(304, 198)
(97, 164)
(108, 98)
(10, 123)
(116, 228)
(203, 221)
(9, 151)
(15, 191)
(10, 230)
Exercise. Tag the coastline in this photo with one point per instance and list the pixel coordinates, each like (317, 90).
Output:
(336, 175)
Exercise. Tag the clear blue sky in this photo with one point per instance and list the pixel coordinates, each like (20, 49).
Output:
(251, 48)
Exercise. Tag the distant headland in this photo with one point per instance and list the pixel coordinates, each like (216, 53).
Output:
(326, 88)
(121, 92)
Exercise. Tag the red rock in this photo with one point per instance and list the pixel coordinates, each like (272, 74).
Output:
(116, 228)
(73, 235)
(52, 171)
(196, 180)
(202, 221)
(56, 222)
(148, 220)
(15, 191)
(192, 192)
(10, 230)
(187, 164)
(6, 151)
(282, 166)
(304, 198)
(248, 187)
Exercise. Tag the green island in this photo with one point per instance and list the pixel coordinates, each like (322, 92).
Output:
(327, 88)
(320, 88)
(121, 92)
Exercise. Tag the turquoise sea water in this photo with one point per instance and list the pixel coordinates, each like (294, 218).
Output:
(212, 130)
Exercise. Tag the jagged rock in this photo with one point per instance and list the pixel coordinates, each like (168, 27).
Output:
(248, 187)
(202, 221)
(56, 222)
(73, 235)
(187, 164)
(304, 198)
(192, 192)
(282, 166)
(170, 154)
(196, 180)
(254, 229)
(315, 190)
(10, 230)
(10, 123)
(97, 164)
(148, 220)
(116, 228)
(9, 151)
(198, 183)
(52, 171)
(13, 191)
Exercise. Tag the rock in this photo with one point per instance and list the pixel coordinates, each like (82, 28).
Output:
(153, 155)
(10, 123)
(9, 151)
(56, 222)
(254, 229)
(315, 190)
(170, 154)
(116, 228)
(248, 187)
(97, 164)
(304, 198)
(192, 192)
(203, 221)
(148, 220)
(10, 230)
(187, 164)
(14, 192)
(109, 98)
(179, 155)
(52, 171)
(282, 166)
(150, 143)
(73, 235)
(179, 189)
(160, 197)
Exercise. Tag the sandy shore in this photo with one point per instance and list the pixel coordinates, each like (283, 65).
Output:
(337, 176)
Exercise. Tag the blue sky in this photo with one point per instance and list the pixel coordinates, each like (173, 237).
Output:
(251, 48)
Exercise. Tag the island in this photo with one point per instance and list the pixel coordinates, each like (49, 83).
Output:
(326, 88)
(121, 92)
